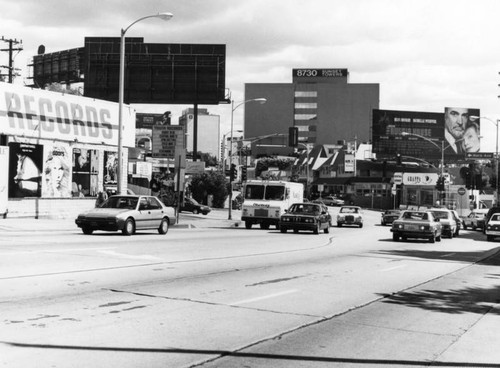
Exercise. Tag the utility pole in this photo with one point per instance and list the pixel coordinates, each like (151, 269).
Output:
(10, 50)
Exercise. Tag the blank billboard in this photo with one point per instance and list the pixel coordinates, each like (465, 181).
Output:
(155, 73)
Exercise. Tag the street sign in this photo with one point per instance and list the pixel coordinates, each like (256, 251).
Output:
(461, 191)
(479, 155)
(398, 178)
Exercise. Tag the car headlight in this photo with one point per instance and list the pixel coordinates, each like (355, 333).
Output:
(309, 220)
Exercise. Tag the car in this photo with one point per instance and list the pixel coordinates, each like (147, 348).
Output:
(127, 213)
(492, 229)
(475, 219)
(350, 215)
(417, 225)
(388, 216)
(491, 211)
(191, 205)
(447, 219)
(306, 216)
(332, 201)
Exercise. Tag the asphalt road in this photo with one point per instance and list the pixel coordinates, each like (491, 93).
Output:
(228, 297)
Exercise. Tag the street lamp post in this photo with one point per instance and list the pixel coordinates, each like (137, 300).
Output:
(223, 156)
(442, 148)
(307, 166)
(259, 100)
(473, 118)
(121, 87)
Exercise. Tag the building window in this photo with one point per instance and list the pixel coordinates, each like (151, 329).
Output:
(304, 105)
(306, 94)
(305, 116)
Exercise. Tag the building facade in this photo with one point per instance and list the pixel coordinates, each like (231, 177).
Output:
(321, 103)
(208, 133)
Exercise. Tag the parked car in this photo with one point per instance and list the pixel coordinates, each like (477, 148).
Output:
(191, 205)
(388, 216)
(417, 225)
(475, 219)
(332, 201)
(448, 223)
(492, 229)
(350, 215)
(127, 213)
(306, 216)
(491, 211)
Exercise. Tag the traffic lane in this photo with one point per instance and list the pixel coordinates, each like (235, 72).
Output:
(259, 321)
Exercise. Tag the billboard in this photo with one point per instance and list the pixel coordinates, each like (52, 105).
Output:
(462, 129)
(155, 72)
(25, 170)
(35, 113)
(422, 135)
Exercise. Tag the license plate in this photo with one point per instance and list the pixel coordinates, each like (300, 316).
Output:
(411, 227)
(93, 223)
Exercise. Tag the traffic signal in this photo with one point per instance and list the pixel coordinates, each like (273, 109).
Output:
(468, 179)
(293, 136)
(232, 172)
(440, 184)
(243, 173)
(398, 159)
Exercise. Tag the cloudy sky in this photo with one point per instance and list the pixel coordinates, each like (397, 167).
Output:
(425, 54)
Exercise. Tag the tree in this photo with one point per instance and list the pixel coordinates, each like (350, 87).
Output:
(57, 87)
(210, 183)
(209, 159)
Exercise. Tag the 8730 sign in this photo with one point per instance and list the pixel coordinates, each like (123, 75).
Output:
(328, 73)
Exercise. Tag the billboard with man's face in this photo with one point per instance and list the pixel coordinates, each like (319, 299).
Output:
(461, 129)
(423, 135)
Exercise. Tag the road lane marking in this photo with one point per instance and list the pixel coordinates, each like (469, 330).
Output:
(130, 256)
(270, 296)
(52, 251)
(392, 268)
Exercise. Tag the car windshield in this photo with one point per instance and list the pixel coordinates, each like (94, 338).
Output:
(121, 202)
(443, 215)
(495, 217)
(349, 210)
(309, 209)
(392, 212)
(415, 216)
(270, 192)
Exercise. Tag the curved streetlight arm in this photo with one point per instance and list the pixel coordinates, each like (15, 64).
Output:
(405, 134)
(164, 16)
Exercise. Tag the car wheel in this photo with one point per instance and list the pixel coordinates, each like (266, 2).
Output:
(129, 227)
(457, 233)
(382, 223)
(474, 227)
(264, 226)
(432, 239)
(87, 230)
(438, 238)
(205, 213)
(195, 211)
(489, 238)
(295, 231)
(248, 225)
(317, 228)
(339, 224)
(361, 225)
(395, 237)
(465, 227)
(326, 230)
(163, 229)
(283, 229)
